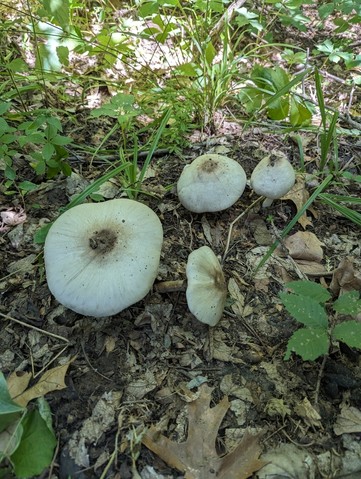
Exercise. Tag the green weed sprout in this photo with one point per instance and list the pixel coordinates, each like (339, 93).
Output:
(27, 440)
(308, 303)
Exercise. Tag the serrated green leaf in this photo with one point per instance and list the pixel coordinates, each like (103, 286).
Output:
(348, 303)
(36, 448)
(309, 343)
(348, 332)
(305, 310)
(309, 289)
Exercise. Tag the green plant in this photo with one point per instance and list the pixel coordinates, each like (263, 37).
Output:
(27, 440)
(324, 323)
(122, 107)
(271, 90)
(40, 138)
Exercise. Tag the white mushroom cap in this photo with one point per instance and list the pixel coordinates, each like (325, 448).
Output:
(101, 258)
(211, 183)
(206, 288)
(273, 177)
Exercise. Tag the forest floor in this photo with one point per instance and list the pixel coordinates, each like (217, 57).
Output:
(143, 366)
(154, 364)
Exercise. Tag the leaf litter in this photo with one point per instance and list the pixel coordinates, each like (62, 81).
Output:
(197, 457)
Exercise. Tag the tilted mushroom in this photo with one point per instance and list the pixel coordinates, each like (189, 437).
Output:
(273, 177)
(101, 258)
(211, 183)
(206, 288)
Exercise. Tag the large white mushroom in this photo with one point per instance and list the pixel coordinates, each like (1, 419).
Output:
(206, 288)
(273, 177)
(211, 183)
(101, 258)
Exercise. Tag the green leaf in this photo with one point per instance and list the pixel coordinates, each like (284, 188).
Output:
(187, 69)
(40, 234)
(36, 449)
(9, 410)
(348, 303)
(10, 439)
(210, 53)
(48, 151)
(305, 310)
(63, 55)
(27, 186)
(299, 113)
(325, 10)
(309, 343)
(278, 109)
(309, 289)
(348, 332)
(18, 65)
(4, 106)
(58, 10)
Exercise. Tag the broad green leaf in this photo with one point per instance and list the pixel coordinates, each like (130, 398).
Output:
(59, 10)
(309, 343)
(187, 69)
(278, 109)
(4, 106)
(47, 152)
(305, 310)
(348, 332)
(348, 303)
(210, 53)
(310, 289)
(279, 78)
(63, 55)
(36, 449)
(9, 410)
(299, 113)
(18, 65)
(27, 186)
(325, 10)
(10, 439)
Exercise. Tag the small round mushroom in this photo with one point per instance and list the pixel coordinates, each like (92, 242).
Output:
(206, 288)
(101, 258)
(211, 183)
(273, 177)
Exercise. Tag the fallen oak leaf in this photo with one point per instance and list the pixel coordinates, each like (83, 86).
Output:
(299, 195)
(51, 380)
(197, 456)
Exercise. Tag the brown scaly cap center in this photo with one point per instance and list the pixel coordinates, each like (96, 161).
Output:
(103, 241)
(209, 166)
(219, 281)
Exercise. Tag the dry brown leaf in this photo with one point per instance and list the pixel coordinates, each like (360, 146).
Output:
(17, 382)
(345, 278)
(311, 267)
(348, 421)
(197, 456)
(308, 413)
(51, 380)
(299, 195)
(304, 245)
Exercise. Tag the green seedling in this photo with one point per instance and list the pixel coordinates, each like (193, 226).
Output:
(324, 322)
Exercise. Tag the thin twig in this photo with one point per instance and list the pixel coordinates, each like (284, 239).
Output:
(6, 316)
(90, 364)
(252, 205)
(319, 377)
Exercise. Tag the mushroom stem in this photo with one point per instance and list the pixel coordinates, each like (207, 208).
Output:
(170, 286)
(267, 203)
